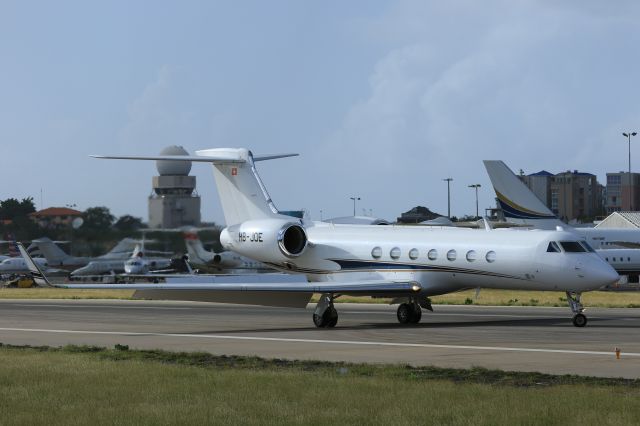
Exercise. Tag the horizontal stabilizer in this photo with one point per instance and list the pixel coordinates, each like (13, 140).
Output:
(216, 155)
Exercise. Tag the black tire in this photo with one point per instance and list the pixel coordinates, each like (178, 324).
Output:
(579, 320)
(405, 313)
(332, 322)
(319, 321)
(416, 314)
(328, 319)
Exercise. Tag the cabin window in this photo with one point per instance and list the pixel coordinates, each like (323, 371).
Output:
(614, 259)
(491, 256)
(413, 253)
(471, 256)
(451, 255)
(572, 247)
(395, 253)
(376, 253)
(628, 259)
(433, 254)
(553, 247)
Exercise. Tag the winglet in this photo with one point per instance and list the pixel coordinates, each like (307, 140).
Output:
(37, 274)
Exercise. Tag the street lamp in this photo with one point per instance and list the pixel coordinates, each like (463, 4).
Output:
(476, 186)
(354, 204)
(448, 180)
(628, 136)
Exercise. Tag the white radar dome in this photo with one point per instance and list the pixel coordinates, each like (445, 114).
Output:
(173, 168)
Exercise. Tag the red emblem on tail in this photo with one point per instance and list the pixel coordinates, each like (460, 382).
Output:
(234, 171)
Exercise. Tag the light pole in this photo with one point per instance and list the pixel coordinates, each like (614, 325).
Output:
(354, 204)
(628, 136)
(476, 186)
(448, 180)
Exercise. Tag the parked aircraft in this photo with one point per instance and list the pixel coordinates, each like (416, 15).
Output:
(138, 264)
(225, 261)
(17, 265)
(404, 262)
(521, 206)
(56, 256)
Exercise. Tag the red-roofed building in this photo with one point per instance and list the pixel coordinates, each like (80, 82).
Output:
(55, 217)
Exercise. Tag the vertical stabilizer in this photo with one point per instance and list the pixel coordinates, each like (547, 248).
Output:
(516, 200)
(242, 194)
(51, 252)
(195, 249)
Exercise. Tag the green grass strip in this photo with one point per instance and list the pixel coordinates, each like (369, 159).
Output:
(405, 372)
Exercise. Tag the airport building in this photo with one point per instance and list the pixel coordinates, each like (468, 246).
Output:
(55, 217)
(623, 192)
(571, 195)
(174, 201)
(416, 215)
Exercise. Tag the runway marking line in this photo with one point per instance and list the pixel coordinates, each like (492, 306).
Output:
(101, 306)
(320, 341)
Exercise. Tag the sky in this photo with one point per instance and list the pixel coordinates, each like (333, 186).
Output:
(382, 100)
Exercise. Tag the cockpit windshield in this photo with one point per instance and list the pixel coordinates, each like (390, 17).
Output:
(553, 247)
(587, 246)
(573, 247)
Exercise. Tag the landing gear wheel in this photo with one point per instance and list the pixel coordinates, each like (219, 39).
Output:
(405, 313)
(579, 320)
(318, 320)
(327, 320)
(332, 323)
(416, 314)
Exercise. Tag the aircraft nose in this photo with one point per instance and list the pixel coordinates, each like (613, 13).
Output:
(602, 274)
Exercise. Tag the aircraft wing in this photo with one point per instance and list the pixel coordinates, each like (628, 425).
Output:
(375, 288)
(254, 284)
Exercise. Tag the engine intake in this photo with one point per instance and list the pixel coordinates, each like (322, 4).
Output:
(292, 240)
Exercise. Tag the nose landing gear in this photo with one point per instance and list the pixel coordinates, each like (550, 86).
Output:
(579, 319)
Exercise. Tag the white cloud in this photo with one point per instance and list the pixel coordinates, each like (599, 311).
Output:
(520, 81)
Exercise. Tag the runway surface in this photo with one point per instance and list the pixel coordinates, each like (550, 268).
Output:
(507, 338)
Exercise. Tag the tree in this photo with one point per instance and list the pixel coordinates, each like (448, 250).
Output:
(97, 218)
(128, 223)
(11, 208)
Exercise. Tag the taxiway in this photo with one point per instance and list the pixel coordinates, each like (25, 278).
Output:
(507, 338)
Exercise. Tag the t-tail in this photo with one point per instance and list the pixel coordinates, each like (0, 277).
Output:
(516, 200)
(195, 249)
(242, 194)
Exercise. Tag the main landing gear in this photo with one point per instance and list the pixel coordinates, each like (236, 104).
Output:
(410, 312)
(579, 319)
(325, 314)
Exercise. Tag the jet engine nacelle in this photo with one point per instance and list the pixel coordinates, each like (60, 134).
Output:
(268, 240)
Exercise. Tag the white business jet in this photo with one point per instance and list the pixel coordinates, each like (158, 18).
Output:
(521, 206)
(404, 262)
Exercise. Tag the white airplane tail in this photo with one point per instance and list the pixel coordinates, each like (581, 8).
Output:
(195, 249)
(516, 200)
(242, 194)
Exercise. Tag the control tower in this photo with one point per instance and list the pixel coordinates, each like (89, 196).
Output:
(174, 202)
